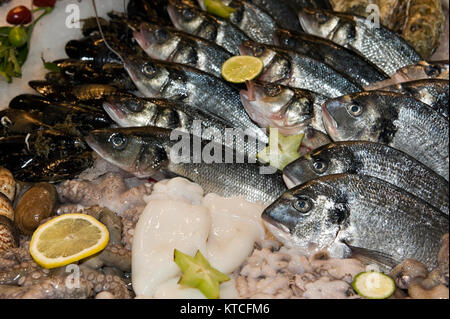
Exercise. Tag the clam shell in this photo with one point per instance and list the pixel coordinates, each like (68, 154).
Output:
(7, 183)
(9, 234)
(6, 208)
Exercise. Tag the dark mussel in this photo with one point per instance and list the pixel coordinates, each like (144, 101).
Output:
(150, 11)
(14, 122)
(90, 25)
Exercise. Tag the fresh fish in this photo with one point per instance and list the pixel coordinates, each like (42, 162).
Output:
(199, 23)
(419, 71)
(312, 139)
(394, 119)
(166, 43)
(253, 20)
(344, 60)
(372, 159)
(144, 151)
(191, 86)
(342, 211)
(433, 92)
(128, 110)
(288, 109)
(293, 69)
(379, 45)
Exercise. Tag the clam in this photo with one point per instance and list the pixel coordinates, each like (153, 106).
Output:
(6, 208)
(9, 234)
(7, 183)
(36, 204)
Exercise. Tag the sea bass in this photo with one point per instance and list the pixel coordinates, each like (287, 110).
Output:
(288, 109)
(393, 119)
(344, 60)
(191, 86)
(169, 44)
(346, 212)
(253, 20)
(293, 69)
(143, 151)
(372, 159)
(379, 45)
(128, 110)
(199, 23)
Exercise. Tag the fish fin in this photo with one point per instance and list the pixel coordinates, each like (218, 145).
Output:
(368, 256)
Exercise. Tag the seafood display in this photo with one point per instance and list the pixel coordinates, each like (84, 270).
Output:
(140, 153)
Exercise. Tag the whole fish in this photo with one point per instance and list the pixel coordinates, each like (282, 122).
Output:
(288, 109)
(372, 159)
(191, 86)
(418, 71)
(199, 23)
(433, 92)
(169, 44)
(255, 22)
(347, 213)
(128, 110)
(379, 45)
(394, 119)
(290, 68)
(144, 151)
(344, 60)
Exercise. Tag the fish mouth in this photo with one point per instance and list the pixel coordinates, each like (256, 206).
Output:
(328, 120)
(113, 111)
(243, 50)
(141, 39)
(171, 10)
(250, 94)
(305, 20)
(288, 181)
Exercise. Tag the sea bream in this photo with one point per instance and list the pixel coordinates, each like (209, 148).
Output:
(394, 119)
(290, 68)
(372, 159)
(379, 45)
(182, 83)
(168, 44)
(143, 151)
(344, 60)
(346, 213)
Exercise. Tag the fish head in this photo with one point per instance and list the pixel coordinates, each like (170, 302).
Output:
(352, 117)
(159, 42)
(284, 39)
(184, 17)
(318, 22)
(128, 110)
(139, 151)
(307, 215)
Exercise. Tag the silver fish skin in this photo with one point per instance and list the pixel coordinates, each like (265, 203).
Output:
(371, 159)
(290, 68)
(379, 45)
(337, 211)
(199, 23)
(344, 60)
(433, 92)
(289, 109)
(185, 84)
(394, 119)
(144, 151)
(128, 110)
(169, 44)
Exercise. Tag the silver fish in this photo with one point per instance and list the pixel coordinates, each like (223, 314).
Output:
(299, 71)
(379, 45)
(168, 44)
(182, 83)
(372, 159)
(199, 23)
(144, 151)
(345, 212)
(393, 119)
(288, 109)
(344, 60)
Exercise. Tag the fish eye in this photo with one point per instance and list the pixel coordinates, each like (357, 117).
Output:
(321, 17)
(149, 70)
(355, 110)
(303, 205)
(118, 141)
(288, 42)
(188, 14)
(160, 35)
(135, 106)
(432, 71)
(258, 50)
(319, 166)
(272, 90)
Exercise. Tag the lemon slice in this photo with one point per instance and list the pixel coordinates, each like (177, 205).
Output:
(66, 239)
(241, 68)
(373, 285)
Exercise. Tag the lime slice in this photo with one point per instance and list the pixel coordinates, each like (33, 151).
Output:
(373, 285)
(66, 239)
(218, 8)
(241, 68)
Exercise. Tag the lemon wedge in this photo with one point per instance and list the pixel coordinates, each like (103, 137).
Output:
(66, 239)
(241, 68)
